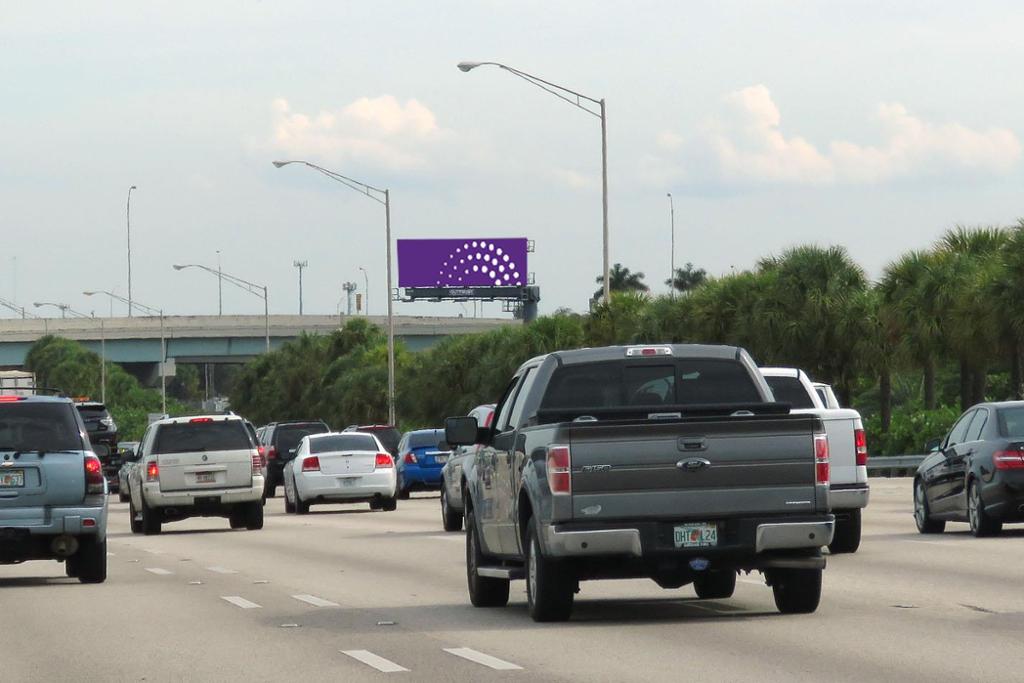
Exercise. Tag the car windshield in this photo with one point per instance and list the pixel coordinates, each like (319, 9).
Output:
(191, 437)
(790, 390)
(1011, 422)
(342, 442)
(27, 426)
(289, 436)
(428, 439)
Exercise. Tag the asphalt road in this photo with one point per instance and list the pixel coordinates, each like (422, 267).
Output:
(343, 592)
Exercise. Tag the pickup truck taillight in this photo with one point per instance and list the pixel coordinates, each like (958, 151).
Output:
(311, 464)
(383, 462)
(821, 470)
(257, 462)
(152, 471)
(860, 442)
(93, 475)
(1008, 460)
(559, 470)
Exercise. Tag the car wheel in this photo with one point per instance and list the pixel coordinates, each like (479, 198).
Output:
(388, 504)
(270, 489)
(301, 507)
(483, 591)
(253, 515)
(71, 567)
(237, 518)
(92, 560)
(922, 514)
(847, 535)
(289, 505)
(403, 494)
(151, 522)
(123, 497)
(451, 519)
(715, 584)
(797, 591)
(550, 587)
(133, 517)
(982, 524)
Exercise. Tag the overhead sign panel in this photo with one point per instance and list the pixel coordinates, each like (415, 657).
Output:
(461, 263)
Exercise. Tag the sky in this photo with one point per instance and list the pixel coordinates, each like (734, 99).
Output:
(872, 125)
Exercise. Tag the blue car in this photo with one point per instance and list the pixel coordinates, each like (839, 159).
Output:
(421, 456)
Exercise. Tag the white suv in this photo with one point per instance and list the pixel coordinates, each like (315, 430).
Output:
(205, 466)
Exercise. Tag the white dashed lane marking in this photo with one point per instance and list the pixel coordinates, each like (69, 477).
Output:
(754, 582)
(158, 571)
(461, 538)
(483, 659)
(375, 661)
(222, 570)
(239, 601)
(315, 601)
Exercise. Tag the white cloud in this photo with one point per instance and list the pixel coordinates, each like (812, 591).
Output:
(746, 143)
(380, 131)
(573, 179)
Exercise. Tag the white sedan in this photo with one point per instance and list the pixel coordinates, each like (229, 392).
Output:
(349, 467)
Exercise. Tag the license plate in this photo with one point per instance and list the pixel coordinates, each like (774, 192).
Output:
(441, 459)
(205, 477)
(12, 479)
(699, 535)
(350, 481)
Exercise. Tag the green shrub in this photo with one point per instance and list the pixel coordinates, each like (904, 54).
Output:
(910, 430)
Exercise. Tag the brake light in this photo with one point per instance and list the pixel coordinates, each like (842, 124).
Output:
(559, 470)
(821, 469)
(410, 458)
(311, 464)
(860, 442)
(201, 419)
(1008, 460)
(11, 399)
(257, 462)
(271, 453)
(152, 471)
(384, 461)
(93, 475)
(648, 351)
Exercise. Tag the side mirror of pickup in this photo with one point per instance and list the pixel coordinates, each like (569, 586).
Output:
(464, 431)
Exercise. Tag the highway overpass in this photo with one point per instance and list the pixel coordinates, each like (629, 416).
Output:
(213, 339)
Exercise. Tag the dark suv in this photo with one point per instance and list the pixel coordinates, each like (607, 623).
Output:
(279, 440)
(103, 436)
(388, 435)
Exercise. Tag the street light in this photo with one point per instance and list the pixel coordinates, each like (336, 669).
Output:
(163, 340)
(64, 310)
(254, 289)
(15, 308)
(366, 290)
(381, 196)
(300, 265)
(672, 258)
(577, 100)
(129, 215)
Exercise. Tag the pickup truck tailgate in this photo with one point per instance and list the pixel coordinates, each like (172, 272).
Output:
(31, 481)
(693, 468)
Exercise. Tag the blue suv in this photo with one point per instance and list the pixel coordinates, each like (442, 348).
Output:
(422, 455)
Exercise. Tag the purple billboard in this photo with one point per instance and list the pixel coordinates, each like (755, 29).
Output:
(462, 262)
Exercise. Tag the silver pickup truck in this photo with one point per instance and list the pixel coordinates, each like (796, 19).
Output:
(53, 495)
(668, 462)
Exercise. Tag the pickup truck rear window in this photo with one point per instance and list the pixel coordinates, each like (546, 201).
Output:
(342, 442)
(621, 384)
(26, 426)
(197, 437)
(790, 390)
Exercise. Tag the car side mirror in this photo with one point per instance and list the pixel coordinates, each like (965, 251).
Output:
(462, 431)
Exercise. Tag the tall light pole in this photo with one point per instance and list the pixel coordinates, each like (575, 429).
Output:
(672, 257)
(381, 196)
(129, 216)
(148, 310)
(300, 265)
(577, 100)
(366, 290)
(64, 310)
(252, 288)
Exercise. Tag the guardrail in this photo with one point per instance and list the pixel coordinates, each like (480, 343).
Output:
(894, 465)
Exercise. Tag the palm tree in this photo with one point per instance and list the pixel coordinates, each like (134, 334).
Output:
(687, 278)
(621, 279)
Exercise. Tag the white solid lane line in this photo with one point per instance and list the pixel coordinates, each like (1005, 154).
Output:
(481, 658)
(315, 601)
(222, 570)
(460, 538)
(239, 601)
(158, 571)
(376, 661)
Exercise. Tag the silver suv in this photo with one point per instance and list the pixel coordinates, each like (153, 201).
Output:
(204, 466)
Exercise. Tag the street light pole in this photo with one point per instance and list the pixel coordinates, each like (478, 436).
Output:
(300, 265)
(672, 257)
(366, 290)
(381, 196)
(129, 216)
(577, 100)
(252, 288)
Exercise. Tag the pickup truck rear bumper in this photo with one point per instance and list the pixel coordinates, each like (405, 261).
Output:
(848, 496)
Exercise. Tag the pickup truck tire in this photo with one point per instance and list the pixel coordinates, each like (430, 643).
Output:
(451, 518)
(151, 522)
(91, 560)
(253, 515)
(847, 535)
(389, 504)
(133, 517)
(483, 591)
(550, 587)
(922, 513)
(797, 591)
(715, 584)
(982, 524)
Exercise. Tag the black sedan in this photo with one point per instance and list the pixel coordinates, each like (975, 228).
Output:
(976, 474)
